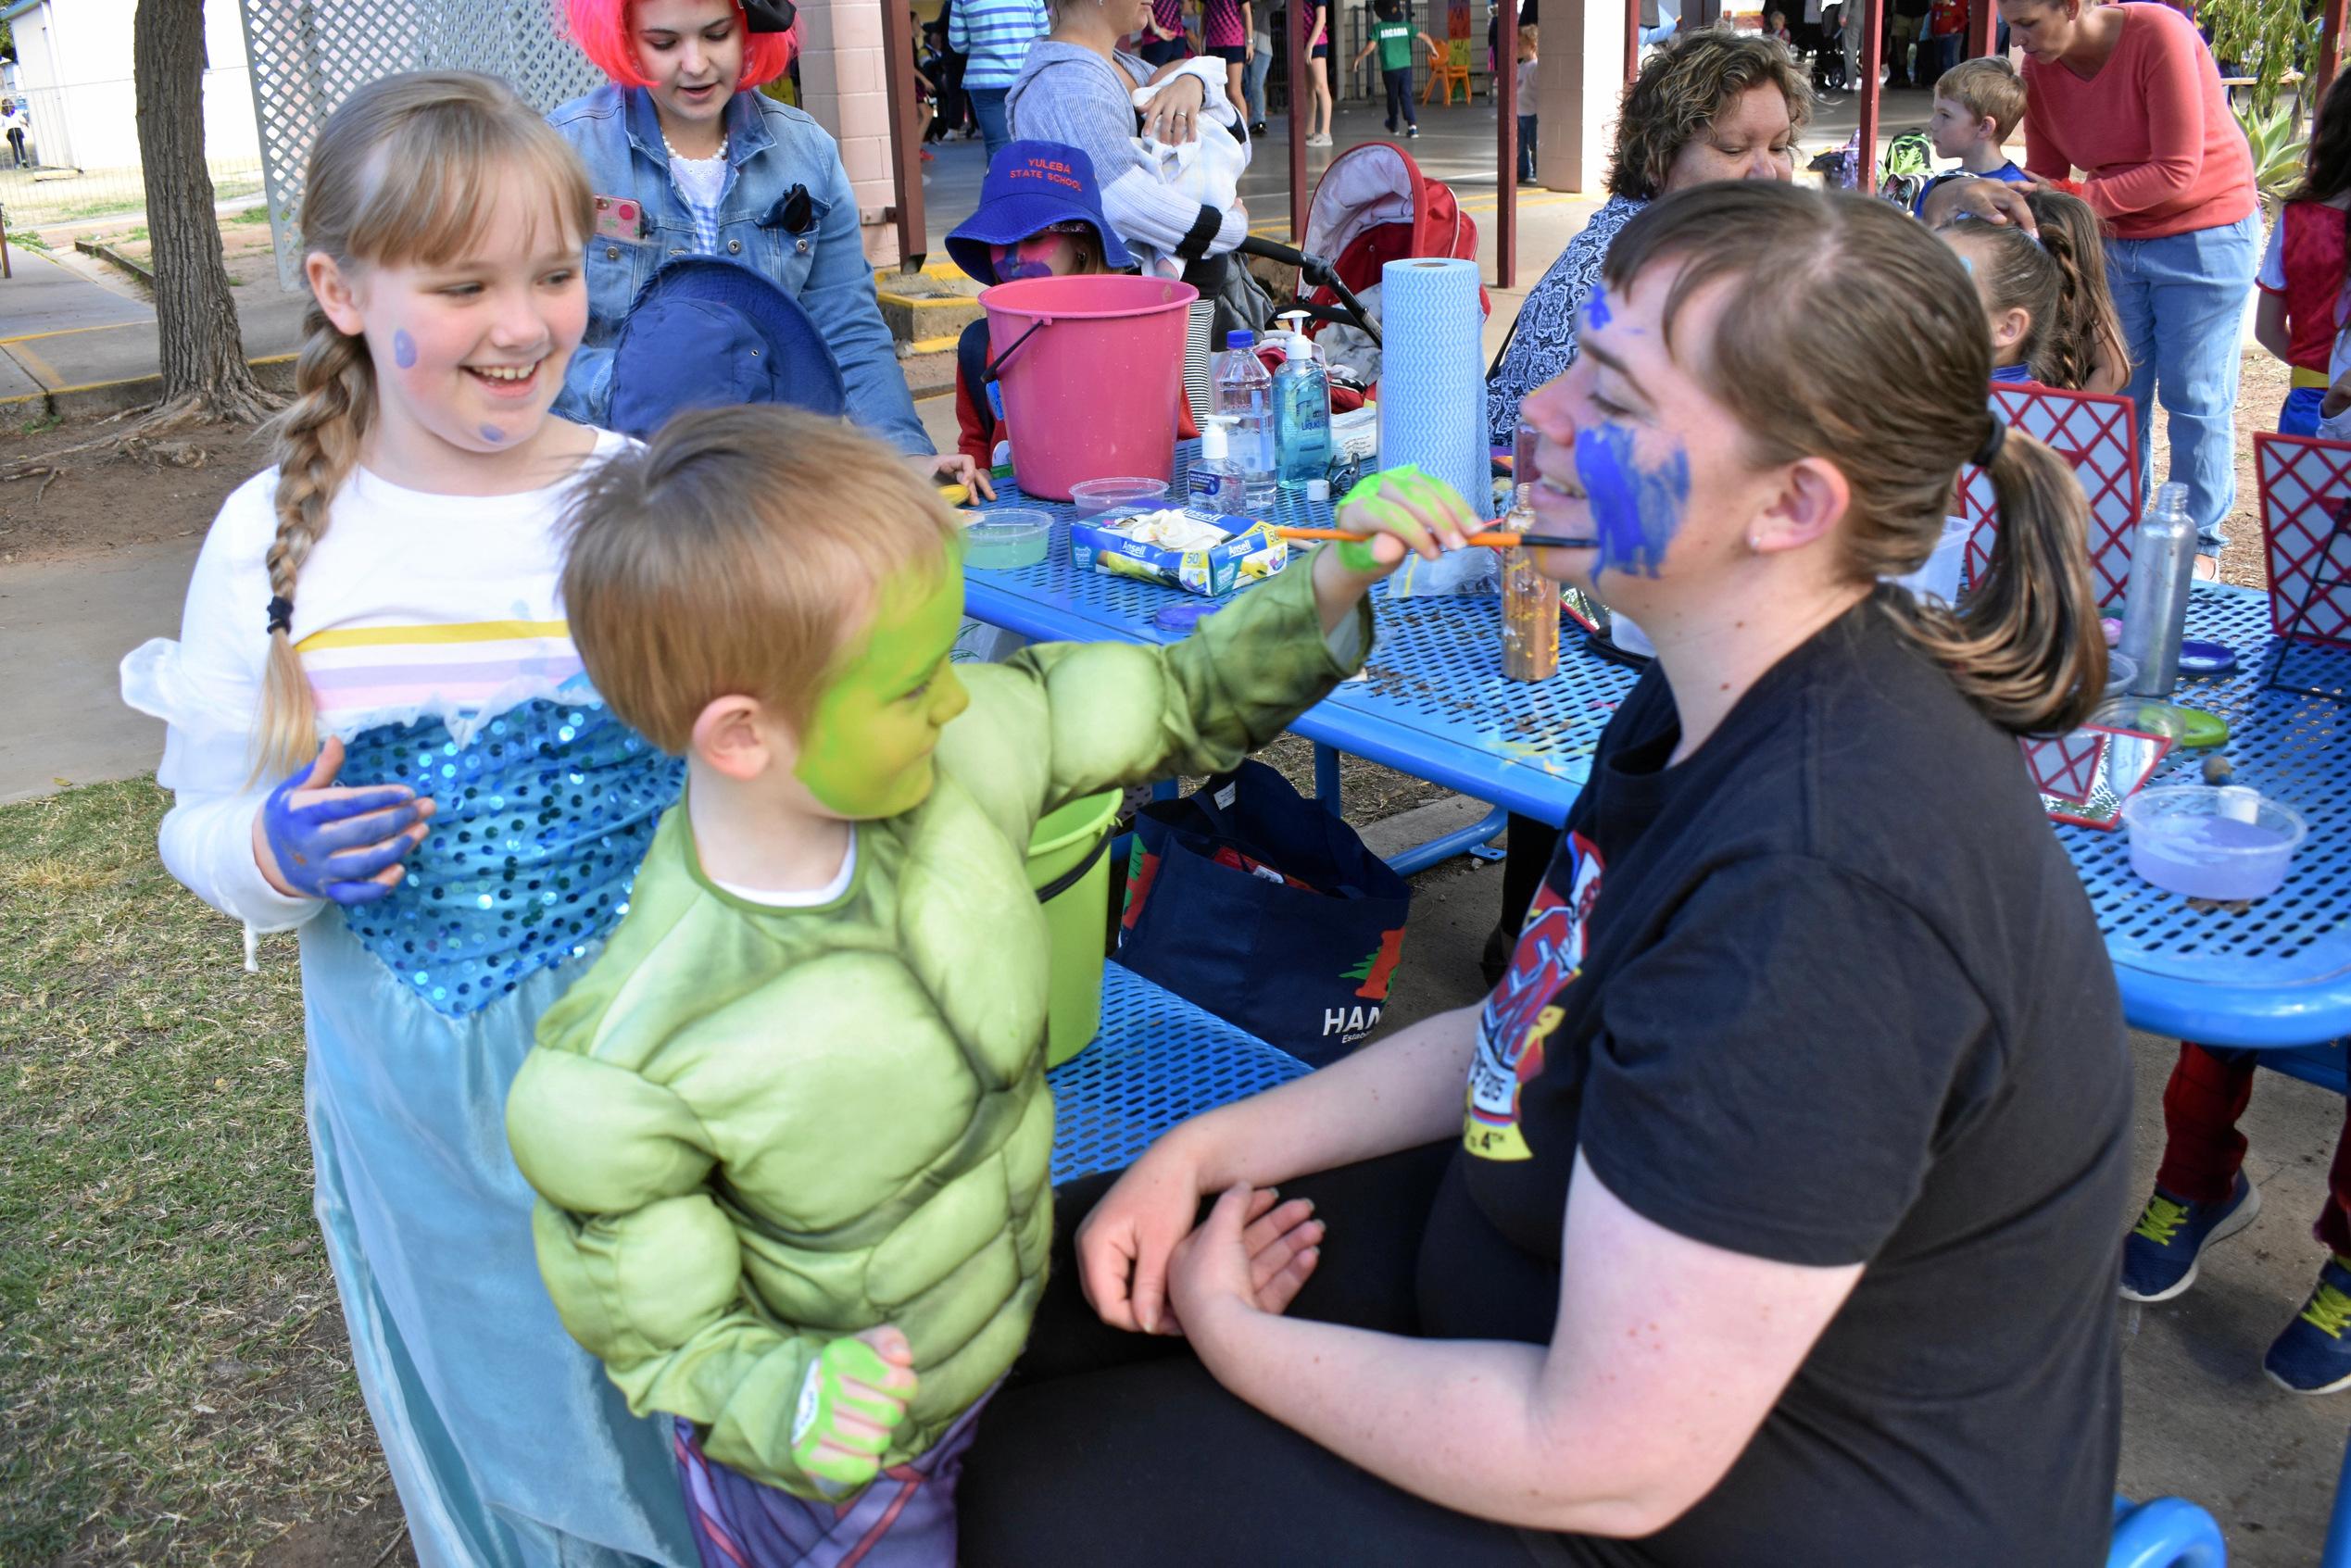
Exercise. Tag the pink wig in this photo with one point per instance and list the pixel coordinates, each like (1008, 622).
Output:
(601, 30)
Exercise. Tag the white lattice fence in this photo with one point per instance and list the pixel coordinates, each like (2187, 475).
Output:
(309, 55)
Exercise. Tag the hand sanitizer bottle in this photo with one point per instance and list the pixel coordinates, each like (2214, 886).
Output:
(1215, 481)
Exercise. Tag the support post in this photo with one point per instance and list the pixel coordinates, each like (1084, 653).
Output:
(1982, 15)
(1873, 60)
(1506, 151)
(906, 139)
(1632, 40)
(2330, 49)
(1297, 51)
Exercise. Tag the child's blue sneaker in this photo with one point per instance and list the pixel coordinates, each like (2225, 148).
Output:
(2159, 1255)
(2312, 1355)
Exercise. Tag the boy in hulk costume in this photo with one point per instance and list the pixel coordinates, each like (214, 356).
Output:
(790, 1131)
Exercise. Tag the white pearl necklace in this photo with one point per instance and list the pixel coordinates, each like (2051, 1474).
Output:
(680, 157)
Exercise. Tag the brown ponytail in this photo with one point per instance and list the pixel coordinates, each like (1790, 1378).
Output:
(2084, 330)
(459, 135)
(1869, 350)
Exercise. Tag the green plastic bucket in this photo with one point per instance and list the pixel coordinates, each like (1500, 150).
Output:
(1069, 866)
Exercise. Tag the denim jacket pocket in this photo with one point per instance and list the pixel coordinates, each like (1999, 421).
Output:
(785, 254)
(617, 268)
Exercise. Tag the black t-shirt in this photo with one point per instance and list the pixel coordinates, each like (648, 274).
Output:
(1828, 992)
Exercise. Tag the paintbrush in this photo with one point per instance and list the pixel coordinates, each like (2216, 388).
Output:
(1493, 539)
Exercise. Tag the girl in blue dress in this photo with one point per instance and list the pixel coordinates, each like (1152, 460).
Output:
(379, 736)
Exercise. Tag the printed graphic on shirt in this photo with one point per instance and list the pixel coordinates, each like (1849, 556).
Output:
(1523, 1011)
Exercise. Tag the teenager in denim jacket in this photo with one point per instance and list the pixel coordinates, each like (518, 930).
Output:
(686, 157)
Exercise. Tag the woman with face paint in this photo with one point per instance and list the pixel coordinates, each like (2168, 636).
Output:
(686, 157)
(1763, 1214)
(1710, 105)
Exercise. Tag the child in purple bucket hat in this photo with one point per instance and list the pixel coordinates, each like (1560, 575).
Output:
(1039, 216)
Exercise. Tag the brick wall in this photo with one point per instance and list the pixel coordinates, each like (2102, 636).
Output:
(841, 85)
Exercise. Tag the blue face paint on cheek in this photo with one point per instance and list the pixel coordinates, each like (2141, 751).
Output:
(492, 433)
(403, 349)
(1635, 510)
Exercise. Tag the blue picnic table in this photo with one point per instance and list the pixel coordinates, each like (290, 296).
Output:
(1434, 703)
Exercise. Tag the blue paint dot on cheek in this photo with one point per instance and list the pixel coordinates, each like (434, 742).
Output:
(403, 349)
(492, 433)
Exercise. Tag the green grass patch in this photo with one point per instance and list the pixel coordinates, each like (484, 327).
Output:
(174, 1383)
(249, 215)
(29, 240)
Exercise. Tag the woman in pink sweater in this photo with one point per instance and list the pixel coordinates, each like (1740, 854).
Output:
(2128, 94)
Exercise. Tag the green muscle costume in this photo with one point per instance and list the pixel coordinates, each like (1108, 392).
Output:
(756, 1130)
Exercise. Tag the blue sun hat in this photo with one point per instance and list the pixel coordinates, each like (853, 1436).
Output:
(1030, 187)
(709, 333)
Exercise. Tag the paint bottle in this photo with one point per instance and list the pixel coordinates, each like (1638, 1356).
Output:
(1530, 606)
(2154, 606)
(1214, 483)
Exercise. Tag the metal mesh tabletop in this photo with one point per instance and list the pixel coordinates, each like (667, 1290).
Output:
(2277, 970)
(1158, 1059)
(1432, 702)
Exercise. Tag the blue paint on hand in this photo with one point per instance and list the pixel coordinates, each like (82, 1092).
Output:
(1636, 511)
(403, 348)
(492, 433)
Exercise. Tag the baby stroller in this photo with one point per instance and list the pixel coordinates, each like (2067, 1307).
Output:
(1828, 59)
(1373, 205)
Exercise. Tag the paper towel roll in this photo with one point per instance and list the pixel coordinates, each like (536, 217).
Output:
(1432, 375)
(1433, 388)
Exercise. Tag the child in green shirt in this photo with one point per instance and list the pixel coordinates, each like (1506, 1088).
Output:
(1393, 36)
(790, 1132)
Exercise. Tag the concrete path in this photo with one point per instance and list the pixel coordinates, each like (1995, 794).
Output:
(66, 322)
(63, 626)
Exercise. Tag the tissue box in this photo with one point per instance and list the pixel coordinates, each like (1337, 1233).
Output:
(1129, 546)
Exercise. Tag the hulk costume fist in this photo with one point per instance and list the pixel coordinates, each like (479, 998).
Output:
(853, 1396)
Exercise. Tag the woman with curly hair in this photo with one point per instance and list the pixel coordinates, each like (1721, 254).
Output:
(1710, 104)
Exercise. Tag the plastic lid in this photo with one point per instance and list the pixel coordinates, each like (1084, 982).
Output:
(1318, 489)
(1239, 337)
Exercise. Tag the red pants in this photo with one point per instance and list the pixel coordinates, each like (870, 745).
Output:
(2203, 1149)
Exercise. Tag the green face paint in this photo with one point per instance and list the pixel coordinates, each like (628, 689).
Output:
(867, 751)
(1356, 555)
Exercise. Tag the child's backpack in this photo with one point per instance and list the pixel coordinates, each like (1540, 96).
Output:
(1910, 163)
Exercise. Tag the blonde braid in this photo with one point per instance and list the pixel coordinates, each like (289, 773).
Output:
(317, 445)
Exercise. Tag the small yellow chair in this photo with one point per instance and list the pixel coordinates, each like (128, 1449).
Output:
(1449, 70)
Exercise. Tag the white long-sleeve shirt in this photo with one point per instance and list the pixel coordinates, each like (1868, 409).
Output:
(411, 606)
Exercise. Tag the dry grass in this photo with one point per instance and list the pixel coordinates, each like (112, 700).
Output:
(174, 1386)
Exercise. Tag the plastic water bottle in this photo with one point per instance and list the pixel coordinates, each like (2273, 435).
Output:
(1245, 396)
(1214, 482)
(2154, 606)
(1301, 416)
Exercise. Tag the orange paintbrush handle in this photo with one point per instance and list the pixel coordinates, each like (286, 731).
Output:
(1491, 539)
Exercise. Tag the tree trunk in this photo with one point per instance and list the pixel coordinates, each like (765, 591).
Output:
(204, 369)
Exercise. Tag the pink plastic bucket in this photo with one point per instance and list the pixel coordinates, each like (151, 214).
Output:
(1091, 369)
